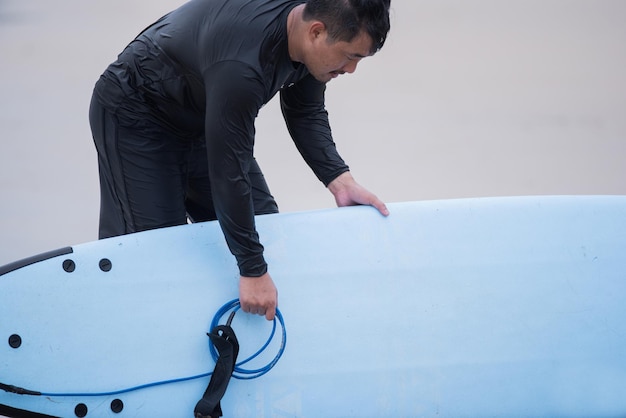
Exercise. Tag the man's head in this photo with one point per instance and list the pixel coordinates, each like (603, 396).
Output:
(339, 33)
(345, 19)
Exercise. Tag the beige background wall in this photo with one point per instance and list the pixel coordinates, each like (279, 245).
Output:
(468, 98)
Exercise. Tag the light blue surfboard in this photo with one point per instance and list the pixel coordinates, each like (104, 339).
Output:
(494, 307)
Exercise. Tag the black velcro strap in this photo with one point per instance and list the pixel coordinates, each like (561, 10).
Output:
(224, 339)
(18, 390)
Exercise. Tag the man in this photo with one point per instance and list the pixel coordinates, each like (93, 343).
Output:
(173, 117)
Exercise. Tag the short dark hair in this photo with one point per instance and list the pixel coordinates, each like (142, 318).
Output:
(345, 19)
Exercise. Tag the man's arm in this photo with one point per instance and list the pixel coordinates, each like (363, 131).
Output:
(234, 96)
(307, 120)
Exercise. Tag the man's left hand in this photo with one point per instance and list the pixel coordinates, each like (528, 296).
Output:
(348, 192)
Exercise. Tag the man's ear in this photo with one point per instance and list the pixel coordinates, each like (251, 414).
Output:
(317, 29)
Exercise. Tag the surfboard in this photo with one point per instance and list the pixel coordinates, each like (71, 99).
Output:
(500, 307)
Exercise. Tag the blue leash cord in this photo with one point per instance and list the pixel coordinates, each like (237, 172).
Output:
(238, 373)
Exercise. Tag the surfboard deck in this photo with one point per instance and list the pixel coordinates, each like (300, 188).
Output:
(459, 308)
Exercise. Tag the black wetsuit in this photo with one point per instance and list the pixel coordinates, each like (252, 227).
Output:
(173, 121)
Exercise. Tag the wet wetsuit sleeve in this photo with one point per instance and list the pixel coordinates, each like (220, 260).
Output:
(234, 95)
(307, 120)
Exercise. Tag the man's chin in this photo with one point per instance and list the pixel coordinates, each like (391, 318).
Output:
(323, 78)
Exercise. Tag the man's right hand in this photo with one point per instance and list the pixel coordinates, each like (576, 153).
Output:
(258, 295)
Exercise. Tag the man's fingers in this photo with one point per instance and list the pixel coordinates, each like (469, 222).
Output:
(380, 205)
(270, 314)
(382, 208)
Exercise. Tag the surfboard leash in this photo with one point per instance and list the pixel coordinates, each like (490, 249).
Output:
(223, 338)
(242, 373)
(222, 332)
(224, 349)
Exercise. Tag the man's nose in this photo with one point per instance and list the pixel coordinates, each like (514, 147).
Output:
(350, 67)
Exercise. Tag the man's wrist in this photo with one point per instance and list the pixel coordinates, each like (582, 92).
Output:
(253, 267)
(340, 182)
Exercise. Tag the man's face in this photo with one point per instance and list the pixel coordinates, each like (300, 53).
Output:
(328, 59)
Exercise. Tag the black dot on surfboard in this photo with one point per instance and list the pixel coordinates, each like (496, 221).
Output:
(81, 410)
(15, 341)
(117, 405)
(105, 264)
(69, 265)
